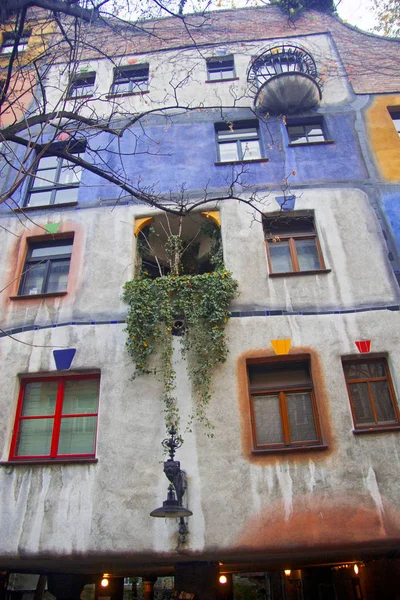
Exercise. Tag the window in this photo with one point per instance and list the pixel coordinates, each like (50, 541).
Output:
(56, 417)
(131, 80)
(46, 267)
(283, 408)
(306, 132)
(221, 67)
(371, 393)
(9, 40)
(56, 181)
(238, 141)
(292, 244)
(82, 85)
(396, 119)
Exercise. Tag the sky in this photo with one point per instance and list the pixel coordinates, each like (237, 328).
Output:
(358, 13)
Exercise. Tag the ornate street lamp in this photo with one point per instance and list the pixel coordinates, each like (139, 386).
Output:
(172, 507)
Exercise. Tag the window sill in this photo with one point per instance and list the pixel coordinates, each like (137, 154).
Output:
(297, 273)
(35, 296)
(221, 80)
(123, 94)
(47, 461)
(84, 96)
(42, 206)
(324, 143)
(378, 429)
(289, 449)
(241, 162)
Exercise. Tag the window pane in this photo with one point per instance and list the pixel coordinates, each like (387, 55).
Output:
(364, 370)
(228, 152)
(34, 437)
(227, 74)
(44, 178)
(48, 162)
(39, 398)
(69, 195)
(33, 279)
(77, 435)
(213, 75)
(363, 414)
(313, 130)
(280, 257)
(70, 173)
(39, 199)
(58, 277)
(251, 149)
(307, 255)
(121, 88)
(49, 250)
(383, 402)
(301, 417)
(81, 397)
(268, 420)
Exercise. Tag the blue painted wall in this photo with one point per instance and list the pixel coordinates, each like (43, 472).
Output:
(167, 155)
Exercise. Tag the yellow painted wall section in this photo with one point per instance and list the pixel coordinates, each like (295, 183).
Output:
(385, 141)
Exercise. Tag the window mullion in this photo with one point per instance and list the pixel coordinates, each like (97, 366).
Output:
(57, 419)
(371, 399)
(293, 254)
(284, 418)
(46, 276)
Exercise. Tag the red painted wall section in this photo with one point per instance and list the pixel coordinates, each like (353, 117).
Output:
(315, 521)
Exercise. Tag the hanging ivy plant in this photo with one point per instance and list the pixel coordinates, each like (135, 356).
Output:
(201, 301)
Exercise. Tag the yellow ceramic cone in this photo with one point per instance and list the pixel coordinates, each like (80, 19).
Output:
(281, 346)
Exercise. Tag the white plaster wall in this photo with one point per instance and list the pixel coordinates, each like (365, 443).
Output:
(81, 510)
(180, 76)
(351, 243)
(348, 231)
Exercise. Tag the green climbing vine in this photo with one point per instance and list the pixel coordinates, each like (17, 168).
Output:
(202, 302)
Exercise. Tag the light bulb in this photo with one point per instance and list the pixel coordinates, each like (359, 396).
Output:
(222, 579)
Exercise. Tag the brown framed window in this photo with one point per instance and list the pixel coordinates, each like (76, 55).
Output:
(292, 244)
(283, 406)
(372, 398)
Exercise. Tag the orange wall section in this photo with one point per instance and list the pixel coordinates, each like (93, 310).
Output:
(24, 75)
(385, 141)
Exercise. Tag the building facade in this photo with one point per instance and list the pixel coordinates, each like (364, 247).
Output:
(286, 134)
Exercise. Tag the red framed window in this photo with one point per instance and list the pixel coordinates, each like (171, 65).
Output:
(372, 397)
(56, 417)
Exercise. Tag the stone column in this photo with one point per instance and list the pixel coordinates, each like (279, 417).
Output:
(199, 578)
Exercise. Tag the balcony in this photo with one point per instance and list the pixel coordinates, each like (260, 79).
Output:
(284, 80)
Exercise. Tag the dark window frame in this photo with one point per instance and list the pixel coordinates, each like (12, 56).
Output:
(9, 39)
(218, 65)
(47, 260)
(81, 85)
(314, 122)
(233, 128)
(56, 416)
(282, 391)
(271, 238)
(134, 76)
(53, 186)
(376, 426)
